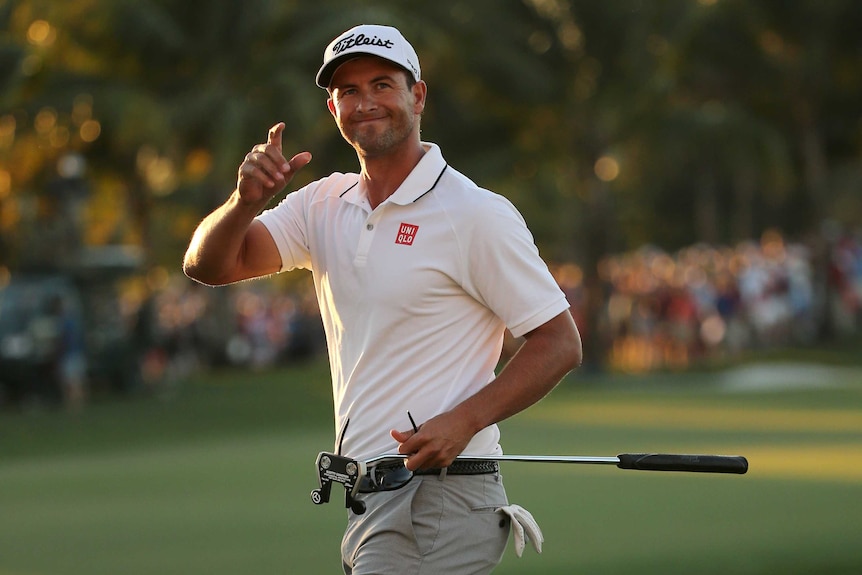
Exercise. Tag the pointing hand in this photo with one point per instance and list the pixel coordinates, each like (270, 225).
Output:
(265, 171)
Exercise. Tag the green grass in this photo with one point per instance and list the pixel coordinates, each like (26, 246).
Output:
(216, 480)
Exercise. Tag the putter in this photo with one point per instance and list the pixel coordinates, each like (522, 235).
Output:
(332, 468)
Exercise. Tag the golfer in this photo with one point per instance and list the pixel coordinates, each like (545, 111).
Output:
(418, 273)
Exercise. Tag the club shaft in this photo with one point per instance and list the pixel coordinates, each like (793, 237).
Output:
(543, 459)
(525, 458)
(641, 461)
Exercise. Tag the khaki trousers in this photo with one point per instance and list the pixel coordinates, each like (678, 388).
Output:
(433, 525)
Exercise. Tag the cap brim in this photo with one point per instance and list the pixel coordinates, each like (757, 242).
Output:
(325, 74)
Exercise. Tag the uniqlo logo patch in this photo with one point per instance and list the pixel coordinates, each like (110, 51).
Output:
(406, 234)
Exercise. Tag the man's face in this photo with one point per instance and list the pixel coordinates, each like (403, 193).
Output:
(373, 107)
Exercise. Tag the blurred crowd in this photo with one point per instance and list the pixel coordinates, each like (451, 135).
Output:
(253, 325)
(644, 310)
(657, 310)
(668, 311)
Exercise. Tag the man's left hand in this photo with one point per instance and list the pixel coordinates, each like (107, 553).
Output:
(437, 442)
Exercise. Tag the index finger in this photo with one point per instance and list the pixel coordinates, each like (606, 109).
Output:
(274, 137)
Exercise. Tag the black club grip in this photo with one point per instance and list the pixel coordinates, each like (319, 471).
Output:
(670, 462)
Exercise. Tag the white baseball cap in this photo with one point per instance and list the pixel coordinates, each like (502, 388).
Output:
(368, 39)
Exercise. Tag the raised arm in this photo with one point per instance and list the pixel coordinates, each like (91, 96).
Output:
(549, 352)
(229, 245)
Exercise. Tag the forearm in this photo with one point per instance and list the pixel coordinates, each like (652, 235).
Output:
(228, 245)
(538, 366)
(548, 353)
(214, 255)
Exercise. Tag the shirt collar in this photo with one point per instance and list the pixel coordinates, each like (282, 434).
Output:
(419, 182)
(423, 177)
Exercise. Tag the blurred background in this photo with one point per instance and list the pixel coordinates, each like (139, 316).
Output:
(690, 169)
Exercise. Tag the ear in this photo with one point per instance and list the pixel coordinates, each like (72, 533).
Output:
(420, 91)
(331, 105)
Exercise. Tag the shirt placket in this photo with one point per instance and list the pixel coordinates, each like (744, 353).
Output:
(366, 236)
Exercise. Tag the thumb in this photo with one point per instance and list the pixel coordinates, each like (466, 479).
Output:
(274, 137)
(401, 436)
(299, 161)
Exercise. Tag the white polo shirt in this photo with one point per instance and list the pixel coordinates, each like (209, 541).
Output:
(414, 295)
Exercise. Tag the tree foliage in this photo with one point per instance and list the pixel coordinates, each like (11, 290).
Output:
(610, 124)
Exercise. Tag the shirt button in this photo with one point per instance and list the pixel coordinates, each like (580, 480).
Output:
(369, 227)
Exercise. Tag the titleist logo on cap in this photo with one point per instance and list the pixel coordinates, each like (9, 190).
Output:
(354, 40)
(368, 39)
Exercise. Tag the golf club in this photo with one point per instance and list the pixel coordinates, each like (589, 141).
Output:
(641, 461)
(349, 472)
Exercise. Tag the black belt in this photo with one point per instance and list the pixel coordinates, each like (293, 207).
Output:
(382, 472)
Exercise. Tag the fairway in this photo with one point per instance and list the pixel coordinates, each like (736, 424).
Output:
(217, 481)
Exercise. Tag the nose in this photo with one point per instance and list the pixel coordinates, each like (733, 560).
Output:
(366, 102)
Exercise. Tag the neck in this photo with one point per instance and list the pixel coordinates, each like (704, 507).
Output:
(382, 175)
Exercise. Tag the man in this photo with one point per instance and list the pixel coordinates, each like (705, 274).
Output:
(418, 273)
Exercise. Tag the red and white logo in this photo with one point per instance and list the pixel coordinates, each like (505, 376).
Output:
(406, 234)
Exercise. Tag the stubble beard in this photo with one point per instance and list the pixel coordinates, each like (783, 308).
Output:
(371, 141)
